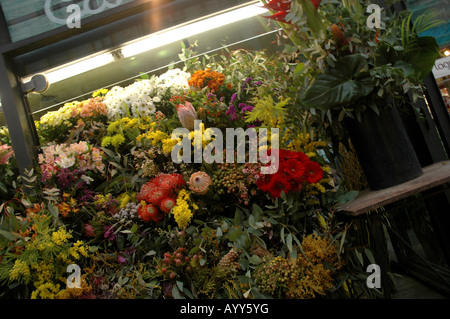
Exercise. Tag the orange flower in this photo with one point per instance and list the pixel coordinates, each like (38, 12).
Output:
(65, 208)
(202, 78)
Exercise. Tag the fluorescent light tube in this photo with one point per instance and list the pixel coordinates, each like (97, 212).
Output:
(76, 68)
(184, 31)
(153, 41)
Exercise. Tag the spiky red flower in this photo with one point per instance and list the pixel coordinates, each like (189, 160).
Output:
(160, 187)
(157, 195)
(150, 212)
(167, 204)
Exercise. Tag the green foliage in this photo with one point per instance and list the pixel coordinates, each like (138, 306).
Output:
(341, 85)
(265, 110)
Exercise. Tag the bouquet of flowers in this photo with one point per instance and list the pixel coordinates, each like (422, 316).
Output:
(157, 227)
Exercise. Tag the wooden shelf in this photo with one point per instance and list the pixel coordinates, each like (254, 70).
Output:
(433, 176)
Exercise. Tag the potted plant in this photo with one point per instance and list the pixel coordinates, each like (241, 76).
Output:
(359, 62)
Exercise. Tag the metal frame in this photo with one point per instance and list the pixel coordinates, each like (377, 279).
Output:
(21, 126)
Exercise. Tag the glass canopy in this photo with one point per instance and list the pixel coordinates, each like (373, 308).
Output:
(148, 42)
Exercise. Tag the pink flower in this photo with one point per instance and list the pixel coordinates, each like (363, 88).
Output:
(121, 259)
(199, 183)
(88, 230)
(5, 153)
(79, 148)
(187, 115)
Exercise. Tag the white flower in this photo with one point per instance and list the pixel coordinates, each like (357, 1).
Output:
(139, 97)
(87, 179)
(66, 161)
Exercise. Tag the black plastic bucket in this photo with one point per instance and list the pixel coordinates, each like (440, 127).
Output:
(384, 150)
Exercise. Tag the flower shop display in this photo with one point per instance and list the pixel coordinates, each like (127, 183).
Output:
(359, 63)
(109, 212)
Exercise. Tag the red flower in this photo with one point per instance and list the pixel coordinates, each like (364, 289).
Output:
(160, 187)
(278, 5)
(149, 212)
(295, 169)
(283, 8)
(314, 172)
(167, 204)
(277, 184)
(316, 3)
(262, 181)
(157, 195)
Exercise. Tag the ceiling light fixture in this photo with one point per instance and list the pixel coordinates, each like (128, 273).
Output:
(181, 32)
(153, 41)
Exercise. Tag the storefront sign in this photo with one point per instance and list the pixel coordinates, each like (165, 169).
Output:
(76, 12)
(441, 67)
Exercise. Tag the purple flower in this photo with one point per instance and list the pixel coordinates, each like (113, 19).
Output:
(130, 251)
(121, 259)
(232, 112)
(87, 195)
(233, 97)
(109, 233)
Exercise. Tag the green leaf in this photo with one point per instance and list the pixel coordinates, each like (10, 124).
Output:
(8, 235)
(53, 210)
(299, 70)
(234, 234)
(341, 85)
(3, 188)
(134, 228)
(369, 256)
(180, 285)
(422, 54)
(151, 253)
(359, 257)
(238, 217)
(255, 259)
(176, 293)
(257, 211)
(314, 20)
(289, 241)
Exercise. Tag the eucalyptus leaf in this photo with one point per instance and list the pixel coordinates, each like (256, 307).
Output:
(176, 293)
(289, 242)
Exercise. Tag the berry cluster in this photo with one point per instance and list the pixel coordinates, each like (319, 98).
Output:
(130, 212)
(234, 179)
(177, 262)
(277, 275)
